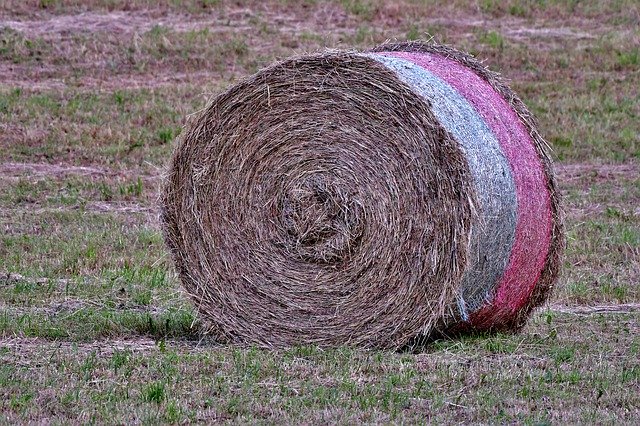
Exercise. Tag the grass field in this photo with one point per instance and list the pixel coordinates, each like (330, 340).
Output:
(94, 327)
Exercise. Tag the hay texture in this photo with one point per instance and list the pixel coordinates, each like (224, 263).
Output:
(364, 199)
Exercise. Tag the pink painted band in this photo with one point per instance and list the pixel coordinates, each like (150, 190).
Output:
(533, 227)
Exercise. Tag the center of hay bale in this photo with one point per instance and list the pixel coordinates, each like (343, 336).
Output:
(322, 222)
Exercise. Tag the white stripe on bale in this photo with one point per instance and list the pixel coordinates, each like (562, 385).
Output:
(493, 236)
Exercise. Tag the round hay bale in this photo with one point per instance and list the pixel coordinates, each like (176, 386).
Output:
(363, 199)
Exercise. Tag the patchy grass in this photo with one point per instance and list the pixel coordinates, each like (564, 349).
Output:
(74, 191)
(121, 129)
(558, 370)
(603, 232)
(594, 120)
(16, 48)
(578, 77)
(93, 324)
(62, 243)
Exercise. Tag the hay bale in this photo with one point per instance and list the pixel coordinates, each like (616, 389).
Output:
(363, 199)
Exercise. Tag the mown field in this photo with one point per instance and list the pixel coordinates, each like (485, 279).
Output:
(94, 327)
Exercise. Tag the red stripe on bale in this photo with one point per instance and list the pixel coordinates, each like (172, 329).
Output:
(533, 229)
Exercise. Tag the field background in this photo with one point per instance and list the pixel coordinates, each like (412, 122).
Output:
(93, 324)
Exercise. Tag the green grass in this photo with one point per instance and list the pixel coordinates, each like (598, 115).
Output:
(123, 128)
(71, 243)
(559, 9)
(492, 39)
(91, 323)
(16, 48)
(603, 231)
(138, 125)
(467, 380)
(73, 191)
(594, 120)
(94, 326)
(363, 9)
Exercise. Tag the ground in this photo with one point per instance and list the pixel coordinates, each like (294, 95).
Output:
(93, 324)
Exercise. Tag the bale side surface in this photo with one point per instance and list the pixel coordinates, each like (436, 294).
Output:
(495, 317)
(319, 202)
(492, 237)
